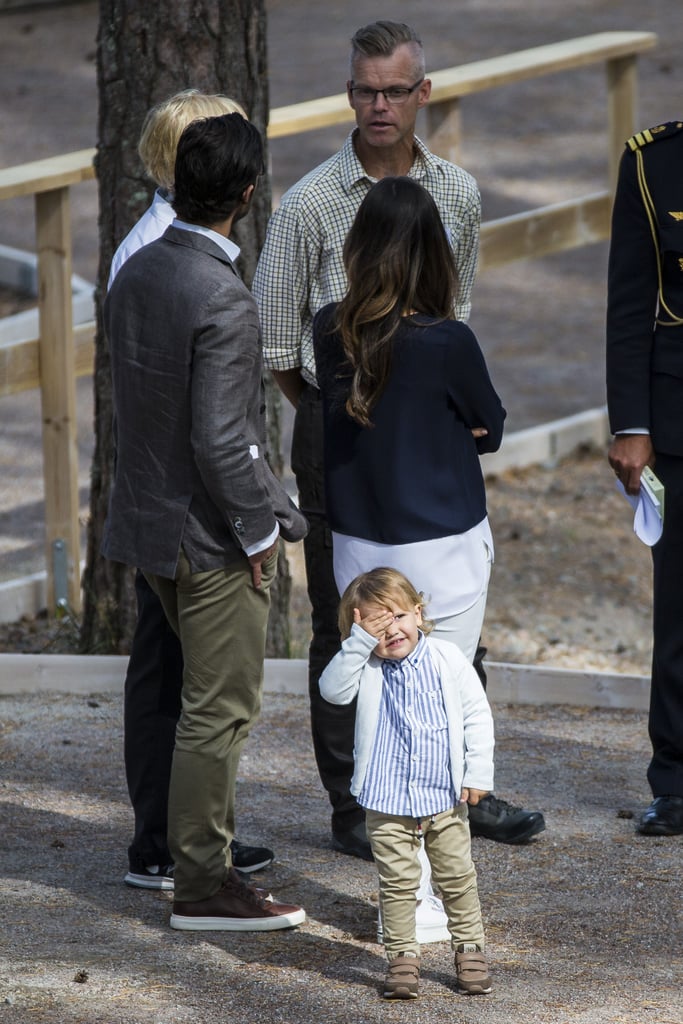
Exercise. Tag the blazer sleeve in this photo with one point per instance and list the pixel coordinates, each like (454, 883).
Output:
(225, 381)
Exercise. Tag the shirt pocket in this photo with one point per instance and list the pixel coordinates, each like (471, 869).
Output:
(430, 711)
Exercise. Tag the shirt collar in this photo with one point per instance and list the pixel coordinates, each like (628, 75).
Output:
(352, 170)
(414, 658)
(231, 250)
(420, 651)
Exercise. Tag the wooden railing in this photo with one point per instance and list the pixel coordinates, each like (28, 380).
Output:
(52, 361)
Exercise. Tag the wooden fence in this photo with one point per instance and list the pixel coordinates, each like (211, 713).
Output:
(52, 361)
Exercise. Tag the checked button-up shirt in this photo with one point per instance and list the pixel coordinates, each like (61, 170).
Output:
(300, 268)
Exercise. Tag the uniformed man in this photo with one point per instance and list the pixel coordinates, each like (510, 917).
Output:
(645, 399)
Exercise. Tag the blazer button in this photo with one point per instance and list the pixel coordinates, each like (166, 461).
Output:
(239, 525)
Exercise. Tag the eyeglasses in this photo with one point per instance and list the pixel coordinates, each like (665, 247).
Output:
(394, 94)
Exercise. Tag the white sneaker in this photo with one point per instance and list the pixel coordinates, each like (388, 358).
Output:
(431, 923)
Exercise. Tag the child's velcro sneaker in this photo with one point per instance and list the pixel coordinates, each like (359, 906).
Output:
(401, 979)
(472, 970)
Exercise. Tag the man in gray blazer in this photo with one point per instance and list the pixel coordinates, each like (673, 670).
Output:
(194, 503)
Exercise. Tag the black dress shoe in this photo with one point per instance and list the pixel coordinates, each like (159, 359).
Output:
(353, 841)
(250, 858)
(664, 817)
(496, 819)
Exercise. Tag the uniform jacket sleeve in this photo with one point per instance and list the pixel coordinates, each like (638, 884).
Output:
(631, 304)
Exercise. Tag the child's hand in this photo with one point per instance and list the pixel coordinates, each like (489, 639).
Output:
(478, 432)
(376, 622)
(472, 796)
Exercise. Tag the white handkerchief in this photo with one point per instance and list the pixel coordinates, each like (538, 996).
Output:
(647, 521)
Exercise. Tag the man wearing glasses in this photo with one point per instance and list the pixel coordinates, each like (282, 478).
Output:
(300, 270)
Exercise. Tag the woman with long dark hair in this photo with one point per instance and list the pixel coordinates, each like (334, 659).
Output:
(408, 408)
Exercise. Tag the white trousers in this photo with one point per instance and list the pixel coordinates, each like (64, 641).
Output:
(464, 630)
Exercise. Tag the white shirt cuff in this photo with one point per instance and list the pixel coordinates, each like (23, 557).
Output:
(261, 545)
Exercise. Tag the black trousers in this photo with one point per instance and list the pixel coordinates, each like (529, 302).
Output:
(332, 725)
(665, 773)
(152, 702)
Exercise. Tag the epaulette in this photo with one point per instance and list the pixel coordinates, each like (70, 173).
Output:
(661, 131)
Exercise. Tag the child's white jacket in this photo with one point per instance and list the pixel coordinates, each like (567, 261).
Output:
(355, 670)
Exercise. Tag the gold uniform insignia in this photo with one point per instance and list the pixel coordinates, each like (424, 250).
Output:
(641, 139)
(666, 316)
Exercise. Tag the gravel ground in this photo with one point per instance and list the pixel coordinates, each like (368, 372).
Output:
(584, 924)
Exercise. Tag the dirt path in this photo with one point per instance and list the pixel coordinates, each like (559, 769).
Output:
(584, 924)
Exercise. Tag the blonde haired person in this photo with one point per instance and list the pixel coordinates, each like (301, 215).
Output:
(423, 748)
(161, 131)
(155, 669)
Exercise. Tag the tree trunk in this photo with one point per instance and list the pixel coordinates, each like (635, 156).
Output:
(146, 52)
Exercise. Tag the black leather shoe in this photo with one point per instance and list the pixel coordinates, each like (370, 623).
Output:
(353, 841)
(496, 819)
(664, 817)
(250, 858)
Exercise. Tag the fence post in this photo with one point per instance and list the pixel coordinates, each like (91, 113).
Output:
(622, 109)
(58, 399)
(444, 129)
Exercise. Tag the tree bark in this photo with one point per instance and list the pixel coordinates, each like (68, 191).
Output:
(146, 52)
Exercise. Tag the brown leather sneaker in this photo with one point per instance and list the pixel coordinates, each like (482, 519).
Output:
(472, 970)
(401, 979)
(236, 907)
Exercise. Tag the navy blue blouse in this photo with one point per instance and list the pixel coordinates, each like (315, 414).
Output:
(415, 475)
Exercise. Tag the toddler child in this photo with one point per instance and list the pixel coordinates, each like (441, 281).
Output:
(423, 750)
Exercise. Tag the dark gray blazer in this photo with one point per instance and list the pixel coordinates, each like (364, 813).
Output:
(189, 412)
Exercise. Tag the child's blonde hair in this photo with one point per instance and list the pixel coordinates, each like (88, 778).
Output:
(380, 586)
(166, 122)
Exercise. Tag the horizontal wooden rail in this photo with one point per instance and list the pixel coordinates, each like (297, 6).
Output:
(537, 61)
(449, 84)
(20, 360)
(47, 175)
(478, 76)
(547, 229)
(530, 234)
(535, 233)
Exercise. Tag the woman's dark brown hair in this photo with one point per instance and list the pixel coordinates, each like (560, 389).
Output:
(398, 262)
